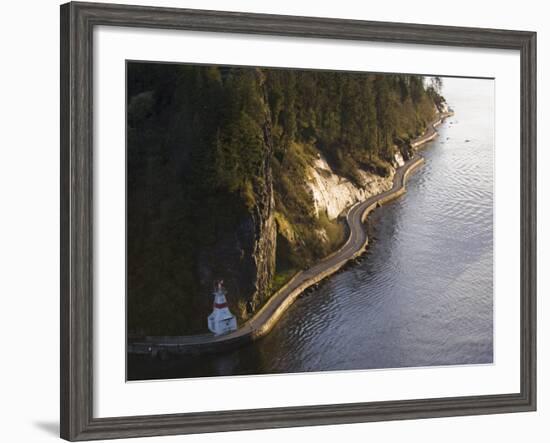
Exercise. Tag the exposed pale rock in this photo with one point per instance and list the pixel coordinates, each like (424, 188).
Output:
(398, 159)
(322, 234)
(333, 193)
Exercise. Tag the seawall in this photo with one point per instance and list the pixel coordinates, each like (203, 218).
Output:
(266, 318)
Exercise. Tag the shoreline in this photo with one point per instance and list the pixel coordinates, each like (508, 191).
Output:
(267, 316)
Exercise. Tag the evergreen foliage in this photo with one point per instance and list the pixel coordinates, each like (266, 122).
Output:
(199, 138)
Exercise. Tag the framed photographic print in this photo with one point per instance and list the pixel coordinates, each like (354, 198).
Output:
(272, 221)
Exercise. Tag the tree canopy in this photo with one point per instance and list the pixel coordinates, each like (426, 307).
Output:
(201, 140)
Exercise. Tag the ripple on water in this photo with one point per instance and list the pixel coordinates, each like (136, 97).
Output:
(423, 296)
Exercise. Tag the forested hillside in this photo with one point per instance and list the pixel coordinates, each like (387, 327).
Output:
(218, 161)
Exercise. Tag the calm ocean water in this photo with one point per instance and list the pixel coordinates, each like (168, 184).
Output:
(422, 295)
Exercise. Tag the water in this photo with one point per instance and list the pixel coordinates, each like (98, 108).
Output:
(422, 296)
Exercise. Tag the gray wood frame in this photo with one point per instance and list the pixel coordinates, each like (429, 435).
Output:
(77, 23)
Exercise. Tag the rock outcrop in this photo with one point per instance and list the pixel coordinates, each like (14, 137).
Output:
(334, 194)
(243, 255)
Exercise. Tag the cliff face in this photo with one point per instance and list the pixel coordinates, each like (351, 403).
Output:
(333, 193)
(243, 255)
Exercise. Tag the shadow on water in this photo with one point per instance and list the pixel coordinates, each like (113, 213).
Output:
(220, 364)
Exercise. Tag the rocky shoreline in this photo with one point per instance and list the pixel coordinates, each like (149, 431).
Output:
(268, 315)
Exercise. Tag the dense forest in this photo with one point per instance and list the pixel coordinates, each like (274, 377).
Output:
(217, 160)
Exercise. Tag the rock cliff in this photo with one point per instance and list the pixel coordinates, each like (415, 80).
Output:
(333, 193)
(243, 255)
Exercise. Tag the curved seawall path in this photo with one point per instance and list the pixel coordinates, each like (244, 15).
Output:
(266, 318)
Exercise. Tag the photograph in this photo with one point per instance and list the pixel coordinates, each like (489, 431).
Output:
(281, 218)
(228, 221)
(285, 220)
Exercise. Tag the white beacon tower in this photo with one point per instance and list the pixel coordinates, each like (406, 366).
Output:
(221, 321)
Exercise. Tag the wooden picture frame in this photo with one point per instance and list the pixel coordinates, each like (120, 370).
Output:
(77, 23)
